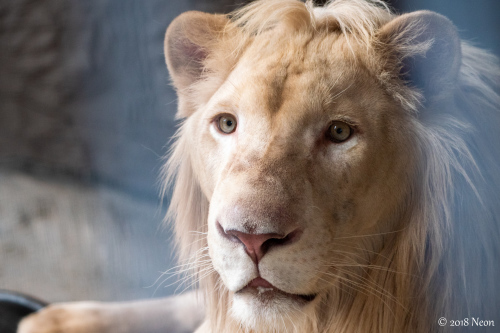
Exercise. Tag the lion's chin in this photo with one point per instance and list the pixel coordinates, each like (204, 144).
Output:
(269, 307)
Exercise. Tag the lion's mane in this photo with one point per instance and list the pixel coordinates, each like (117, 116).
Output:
(444, 262)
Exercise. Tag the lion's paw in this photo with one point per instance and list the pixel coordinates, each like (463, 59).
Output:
(66, 318)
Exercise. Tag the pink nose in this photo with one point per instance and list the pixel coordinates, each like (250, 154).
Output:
(257, 245)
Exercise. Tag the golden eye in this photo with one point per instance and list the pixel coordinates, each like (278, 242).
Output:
(339, 131)
(226, 123)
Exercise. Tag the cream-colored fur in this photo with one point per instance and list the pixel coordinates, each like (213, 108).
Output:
(397, 226)
(394, 219)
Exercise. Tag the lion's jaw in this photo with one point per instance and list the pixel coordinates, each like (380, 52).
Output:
(278, 173)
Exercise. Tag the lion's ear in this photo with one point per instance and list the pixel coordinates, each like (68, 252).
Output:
(424, 48)
(189, 40)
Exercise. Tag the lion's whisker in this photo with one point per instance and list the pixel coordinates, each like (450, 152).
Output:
(370, 235)
(368, 285)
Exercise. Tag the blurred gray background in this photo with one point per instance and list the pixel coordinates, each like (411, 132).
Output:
(86, 112)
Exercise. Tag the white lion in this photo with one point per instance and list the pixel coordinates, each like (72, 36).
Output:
(337, 171)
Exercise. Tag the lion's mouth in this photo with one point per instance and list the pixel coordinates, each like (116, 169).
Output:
(265, 291)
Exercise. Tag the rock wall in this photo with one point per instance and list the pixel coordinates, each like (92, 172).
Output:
(63, 240)
(84, 90)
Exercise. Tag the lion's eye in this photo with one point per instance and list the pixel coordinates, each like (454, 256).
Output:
(226, 123)
(339, 131)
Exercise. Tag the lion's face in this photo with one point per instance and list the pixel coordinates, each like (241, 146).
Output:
(296, 154)
(323, 166)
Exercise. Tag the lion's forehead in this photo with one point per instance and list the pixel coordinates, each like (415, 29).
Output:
(304, 80)
(297, 66)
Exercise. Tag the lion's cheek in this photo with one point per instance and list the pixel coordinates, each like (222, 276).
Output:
(209, 157)
(297, 268)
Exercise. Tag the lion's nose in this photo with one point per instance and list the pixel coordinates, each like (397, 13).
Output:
(257, 245)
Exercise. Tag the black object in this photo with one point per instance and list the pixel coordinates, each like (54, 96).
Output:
(15, 306)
